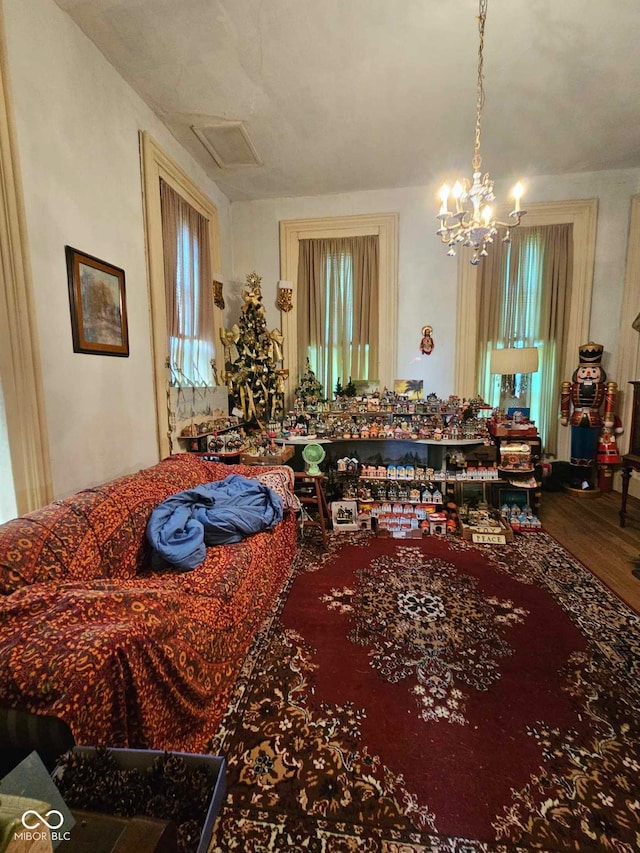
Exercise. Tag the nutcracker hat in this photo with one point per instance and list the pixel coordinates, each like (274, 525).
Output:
(591, 353)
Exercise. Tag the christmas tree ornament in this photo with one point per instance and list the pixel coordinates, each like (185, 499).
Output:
(276, 340)
(253, 279)
(230, 338)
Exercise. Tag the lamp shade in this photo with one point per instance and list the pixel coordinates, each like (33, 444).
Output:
(514, 360)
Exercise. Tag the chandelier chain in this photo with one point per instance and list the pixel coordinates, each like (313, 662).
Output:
(482, 17)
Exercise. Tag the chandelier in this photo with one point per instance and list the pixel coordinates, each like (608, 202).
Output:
(472, 223)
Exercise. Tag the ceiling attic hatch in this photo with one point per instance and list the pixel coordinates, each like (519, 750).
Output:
(229, 144)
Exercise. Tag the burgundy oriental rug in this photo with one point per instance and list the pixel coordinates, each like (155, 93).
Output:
(440, 696)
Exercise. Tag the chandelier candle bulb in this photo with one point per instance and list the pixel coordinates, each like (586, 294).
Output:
(456, 192)
(517, 195)
(444, 195)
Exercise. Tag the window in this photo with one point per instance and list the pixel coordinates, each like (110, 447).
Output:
(382, 365)
(524, 292)
(158, 166)
(582, 215)
(338, 317)
(189, 298)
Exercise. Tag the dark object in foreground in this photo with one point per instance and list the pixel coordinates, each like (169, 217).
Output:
(101, 833)
(185, 789)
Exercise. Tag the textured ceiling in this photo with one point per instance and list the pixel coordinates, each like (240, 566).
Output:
(341, 95)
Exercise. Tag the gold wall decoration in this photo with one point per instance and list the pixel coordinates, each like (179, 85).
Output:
(218, 298)
(284, 300)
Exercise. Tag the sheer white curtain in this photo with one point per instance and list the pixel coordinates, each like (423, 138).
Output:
(523, 301)
(338, 308)
(189, 298)
(8, 508)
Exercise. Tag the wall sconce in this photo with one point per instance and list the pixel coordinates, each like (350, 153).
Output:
(218, 298)
(285, 296)
(509, 363)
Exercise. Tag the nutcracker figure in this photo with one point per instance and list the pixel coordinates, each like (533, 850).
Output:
(586, 392)
(608, 453)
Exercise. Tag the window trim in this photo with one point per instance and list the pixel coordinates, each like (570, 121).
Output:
(157, 164)
(628, 361)
(583, 214)
(385, 225)
(19, 351)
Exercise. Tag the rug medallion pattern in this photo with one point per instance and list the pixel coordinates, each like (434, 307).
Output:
(421, 618)
(490, 705)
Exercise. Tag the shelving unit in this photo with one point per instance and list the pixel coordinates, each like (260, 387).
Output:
(521, 483)
(417, 498)
(415, 421)
(202, 443)
(409, 458)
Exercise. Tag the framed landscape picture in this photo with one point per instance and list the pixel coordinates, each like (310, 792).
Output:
(98, 305)
(411, 388)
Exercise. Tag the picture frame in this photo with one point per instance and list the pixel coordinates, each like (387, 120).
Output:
(97, 302)
(344, 515)
(413, 389)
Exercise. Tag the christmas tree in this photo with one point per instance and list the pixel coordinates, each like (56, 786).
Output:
(310, 390)
(349, 390)
(251, 353)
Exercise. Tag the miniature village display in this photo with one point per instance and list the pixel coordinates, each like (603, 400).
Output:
(388, 415)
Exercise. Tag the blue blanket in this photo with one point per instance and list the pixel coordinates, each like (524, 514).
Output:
(218, 513)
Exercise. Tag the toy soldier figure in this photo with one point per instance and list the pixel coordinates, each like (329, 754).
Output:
(586, 393)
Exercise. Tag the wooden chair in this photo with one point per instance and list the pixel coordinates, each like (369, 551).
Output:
(310, 492)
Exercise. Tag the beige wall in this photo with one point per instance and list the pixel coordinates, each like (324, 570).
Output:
(77, 125)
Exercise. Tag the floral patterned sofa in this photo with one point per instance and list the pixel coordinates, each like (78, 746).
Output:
(122, 655)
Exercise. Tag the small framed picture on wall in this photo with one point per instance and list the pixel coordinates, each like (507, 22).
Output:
(98, 305)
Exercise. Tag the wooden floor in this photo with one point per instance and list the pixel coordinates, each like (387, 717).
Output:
(589, 527)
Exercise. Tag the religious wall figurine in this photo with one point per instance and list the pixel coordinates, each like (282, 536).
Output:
(586, 393)
(427, 344)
